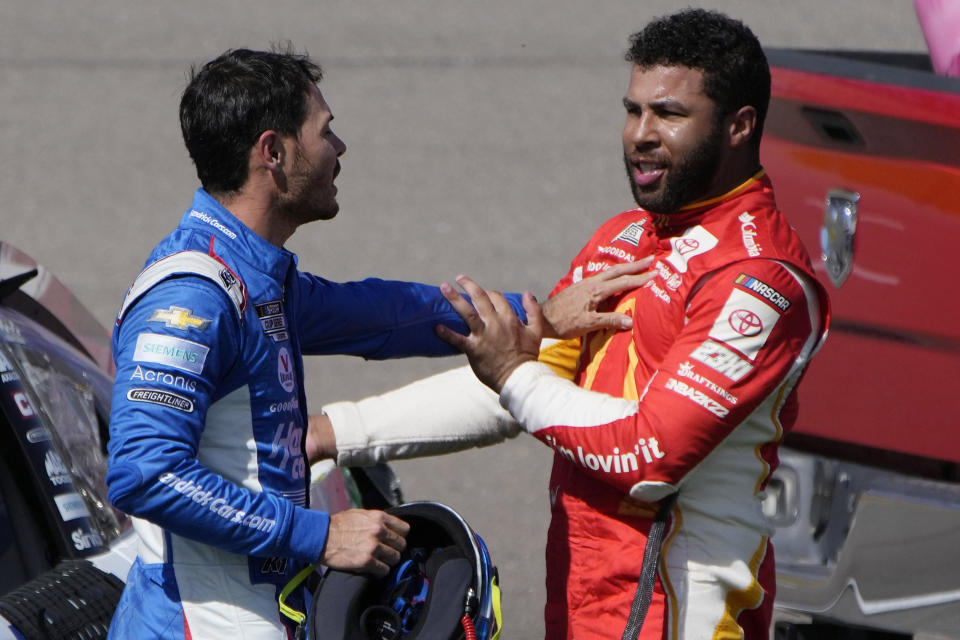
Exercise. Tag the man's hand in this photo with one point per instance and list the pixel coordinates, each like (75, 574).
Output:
(573, 311)
(498, 342)
(321, 441)
(364, 541)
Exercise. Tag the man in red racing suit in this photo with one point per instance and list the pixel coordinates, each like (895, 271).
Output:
(694, 399)
(707, 375)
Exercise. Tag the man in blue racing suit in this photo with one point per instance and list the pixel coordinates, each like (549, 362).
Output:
(209, 416)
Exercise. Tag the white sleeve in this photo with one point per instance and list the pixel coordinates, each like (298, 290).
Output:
(539, 398)
(446, 412)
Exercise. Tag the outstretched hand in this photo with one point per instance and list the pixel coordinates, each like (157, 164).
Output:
(498, 342)
(364, 541)
(321, 440)
(574, 311)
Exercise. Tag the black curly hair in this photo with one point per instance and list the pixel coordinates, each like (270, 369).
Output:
(234, 98)
(734, 67)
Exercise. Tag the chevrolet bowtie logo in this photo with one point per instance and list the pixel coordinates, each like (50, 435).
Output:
(178, 318)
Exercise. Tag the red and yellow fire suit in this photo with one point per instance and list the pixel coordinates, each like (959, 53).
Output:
(694, 400)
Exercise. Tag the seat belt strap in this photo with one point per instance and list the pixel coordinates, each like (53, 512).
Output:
(648, 573)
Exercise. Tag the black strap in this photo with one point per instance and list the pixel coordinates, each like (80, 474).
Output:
(648, 573)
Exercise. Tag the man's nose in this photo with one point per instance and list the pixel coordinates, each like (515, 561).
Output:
(642, 131)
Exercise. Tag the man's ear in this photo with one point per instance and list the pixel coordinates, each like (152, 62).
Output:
(269, 150)
(743, 125)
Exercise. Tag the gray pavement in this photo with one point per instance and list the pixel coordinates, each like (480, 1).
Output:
(482, 138)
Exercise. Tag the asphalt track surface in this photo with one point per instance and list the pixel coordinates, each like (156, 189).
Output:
(483, 138)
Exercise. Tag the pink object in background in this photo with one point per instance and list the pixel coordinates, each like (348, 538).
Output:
(940, 21)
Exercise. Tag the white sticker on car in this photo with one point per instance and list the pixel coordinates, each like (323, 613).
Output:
(5, 364)
(71, 506)
(23, 404)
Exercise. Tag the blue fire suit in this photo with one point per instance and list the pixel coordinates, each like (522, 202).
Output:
(209, 418)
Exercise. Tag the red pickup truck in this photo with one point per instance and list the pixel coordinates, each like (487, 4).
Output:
(864, 149)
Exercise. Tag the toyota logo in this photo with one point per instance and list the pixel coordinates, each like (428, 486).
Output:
(746, 323)
(687, 245)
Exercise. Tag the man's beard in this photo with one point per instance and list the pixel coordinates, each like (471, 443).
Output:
(687, 180)
(304, 203)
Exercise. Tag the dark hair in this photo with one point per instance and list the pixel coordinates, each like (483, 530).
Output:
(234, 98)
(735, 70)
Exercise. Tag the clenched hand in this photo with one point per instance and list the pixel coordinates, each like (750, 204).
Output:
(364, 541)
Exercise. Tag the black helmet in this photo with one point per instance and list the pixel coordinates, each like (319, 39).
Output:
(443, 588)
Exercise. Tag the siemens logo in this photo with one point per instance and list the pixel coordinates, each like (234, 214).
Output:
(185, 355)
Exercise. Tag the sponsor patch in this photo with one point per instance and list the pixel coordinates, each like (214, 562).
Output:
(56, 470)
(655, 289)
(23, 404)
(174, 352)
(694, 242)
(83, 540)
(179, 318)
(217, 505)
(234, 287)
(172, 380)
(273, 320)
(632, 233)
(267, 309)
(763, 290)
(227, 278)
(285, 370)
(744, 323)
(617, 252)
(287, 445)
(163, 398)
(671, 279)
(213, 222)
(748, 230)
(721, 359)
(71, 506)
(626, 460)
(274, 565)
(697, 396)
(293, 404)
(685, 370)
